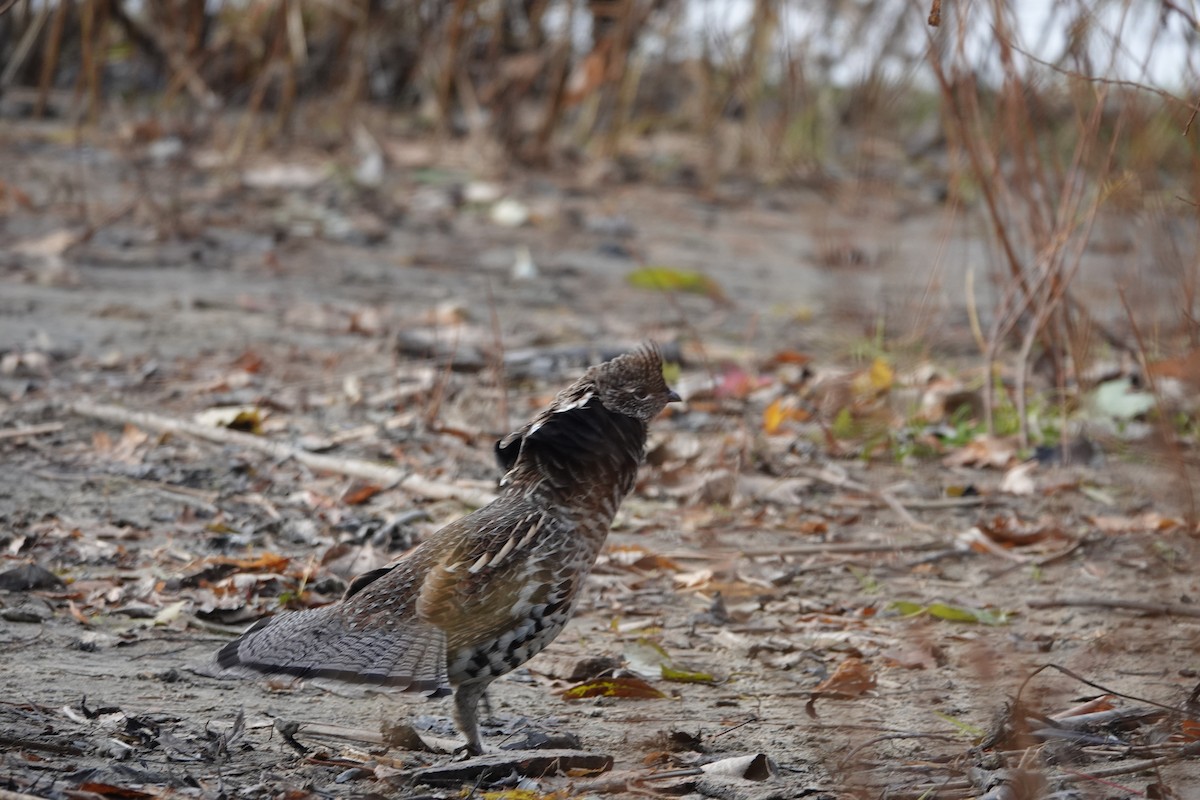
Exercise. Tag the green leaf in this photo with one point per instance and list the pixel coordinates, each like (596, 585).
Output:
(685, 676)
(1117, 399)
(843, 425)
(953, 613)
(669, 279)
(906, 608)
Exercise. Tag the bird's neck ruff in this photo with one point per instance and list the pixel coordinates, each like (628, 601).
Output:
(579, 453)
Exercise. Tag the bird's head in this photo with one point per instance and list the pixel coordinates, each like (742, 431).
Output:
(633, 384)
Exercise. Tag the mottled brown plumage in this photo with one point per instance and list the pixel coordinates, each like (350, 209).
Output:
(488, 592)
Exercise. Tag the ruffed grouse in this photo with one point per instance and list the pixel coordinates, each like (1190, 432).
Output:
(488, 592)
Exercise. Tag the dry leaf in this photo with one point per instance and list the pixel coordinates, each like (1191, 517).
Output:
(693, 580)
(985, 451)
(1019, 479)
(1012, 532)
(266, 562)
(360, 493)
(736, 383)
(910, 656)
(637, 558)
(238, 418)
(757, 767)
(852, 678)
(782, 410)
(1151, 521)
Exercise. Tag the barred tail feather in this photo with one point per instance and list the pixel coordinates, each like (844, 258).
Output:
(319, 644)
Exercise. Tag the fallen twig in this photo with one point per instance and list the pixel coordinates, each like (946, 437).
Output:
(1044, 561)
(492, 767)
(367, 470)
(31, 430)
(1072, 776)
(840, 547)
(966, 501)
(336, 731)
(405, 739)
(1155, 609)
(842, 482)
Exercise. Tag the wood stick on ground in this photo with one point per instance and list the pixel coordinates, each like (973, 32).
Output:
(842, 482)
(31, 430)
(1044, 561)
(839, 547)
(418, 740)
(1154, 609)
(947, 502)
(367, 470)
(1129, 768)
(336, 731)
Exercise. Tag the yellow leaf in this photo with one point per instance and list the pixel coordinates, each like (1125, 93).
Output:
(631, 688)
(882, 375)
(773, 416)
(519, 794)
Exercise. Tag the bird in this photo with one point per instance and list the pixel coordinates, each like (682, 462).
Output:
(491, 590)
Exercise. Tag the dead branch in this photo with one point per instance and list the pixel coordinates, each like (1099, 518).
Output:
(31, 430)
(840, 547)
(842, 482)
(402, 736)
(1153, 609)
(161, 49)
(357, 468)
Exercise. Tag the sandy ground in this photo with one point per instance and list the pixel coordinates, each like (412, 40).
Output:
(380, 337)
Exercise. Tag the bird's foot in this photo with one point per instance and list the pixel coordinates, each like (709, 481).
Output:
(467, 751)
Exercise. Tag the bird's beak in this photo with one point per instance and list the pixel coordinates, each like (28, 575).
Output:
(673, 396)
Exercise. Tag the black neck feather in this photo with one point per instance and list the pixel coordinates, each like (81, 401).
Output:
(581, 448)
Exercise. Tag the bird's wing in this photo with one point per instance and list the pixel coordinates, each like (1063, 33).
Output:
(495, 582)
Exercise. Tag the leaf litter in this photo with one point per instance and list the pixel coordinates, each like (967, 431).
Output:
(755, 569)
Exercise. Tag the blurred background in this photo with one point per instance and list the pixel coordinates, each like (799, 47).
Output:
(989, 179)
(782, 80)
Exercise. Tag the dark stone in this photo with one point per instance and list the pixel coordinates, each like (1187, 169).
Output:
(29, 577)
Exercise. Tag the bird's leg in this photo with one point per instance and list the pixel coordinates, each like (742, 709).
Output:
(466, 712)
(486, 701)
